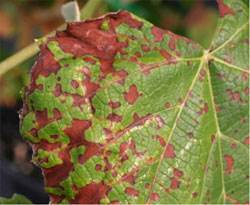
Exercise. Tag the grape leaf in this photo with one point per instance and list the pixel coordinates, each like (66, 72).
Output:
(121, 111)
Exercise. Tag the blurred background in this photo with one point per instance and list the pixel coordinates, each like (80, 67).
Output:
(23, 20)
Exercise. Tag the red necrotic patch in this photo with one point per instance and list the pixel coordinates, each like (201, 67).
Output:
(206, 107)
(175, 184)
(138, 54)
(178, 173)
(98, 167)
(230, 162)
(233, 146)
(224, 9)
(74, 84)
(246, 141)
(91, 194)
(195, 194)
(165, 54)
(246, 90)
(114, 117)
(132, 192)
(190, 135)
(145, 48)
(154, 196)
(130, 178)
(169, 152)
(172, 43)
(158, 33)
(132, 95)
(161, 140)
(114, 105)
(76, 131)
(167, 105)
(212, 138)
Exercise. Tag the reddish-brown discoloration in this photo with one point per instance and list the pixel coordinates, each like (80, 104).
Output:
(98, 167)
(145, 48)
(244, 76)
(200, 112)
(114, 105)
(233, 146)
(74, 84)
(76, 131)
(230, 162)
(165, 54)
(159, 36)
(202, 74)
(161, 140)
(169, 152)
(138, 54)
(130, 178)
(235, 201)
(220, 76)
(147, 186)
(108, 165)
(212, 138)
(243, 120)
(114, 117)
(175, 184)
(190, 135)
(234, 96)
(131, 191)
(167, 105)
(45, 65)
(172, 43)
(195, 194)
(247, 141)
(206, 108)
(180, 100)
(54, 175)
(154, 196)
(178, 53)
(167, 191)
(178, 173)
(42, 118)
(224, 9)
(158, 33)
(45, 145)
(132, 95)
(123, 147)
(91, 194)
(40, 86)
(246, 90)
(58, 90)
(219, 108)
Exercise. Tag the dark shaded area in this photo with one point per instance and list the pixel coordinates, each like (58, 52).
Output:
(17, 174)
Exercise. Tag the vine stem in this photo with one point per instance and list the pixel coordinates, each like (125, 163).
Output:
(86, 12)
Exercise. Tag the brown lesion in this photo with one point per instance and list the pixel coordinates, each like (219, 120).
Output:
(224, 9)
(132, 95)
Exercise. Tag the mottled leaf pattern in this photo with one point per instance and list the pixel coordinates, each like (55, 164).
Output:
(120, 111)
